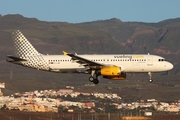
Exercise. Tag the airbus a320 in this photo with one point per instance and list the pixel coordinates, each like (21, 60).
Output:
(114, 66)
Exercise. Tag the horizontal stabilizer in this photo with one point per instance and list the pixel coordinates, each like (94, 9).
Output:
(14, 59)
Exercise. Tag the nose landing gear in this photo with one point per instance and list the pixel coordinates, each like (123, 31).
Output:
(150, 77)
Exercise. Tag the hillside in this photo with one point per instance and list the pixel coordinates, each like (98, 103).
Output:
(96, 37)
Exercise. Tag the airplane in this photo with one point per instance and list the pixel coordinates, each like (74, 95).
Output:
(110, 66)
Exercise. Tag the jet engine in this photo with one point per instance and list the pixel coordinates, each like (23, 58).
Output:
(110, 71)
(122, 76)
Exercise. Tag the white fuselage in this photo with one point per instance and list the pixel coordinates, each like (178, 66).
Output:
(127, 62)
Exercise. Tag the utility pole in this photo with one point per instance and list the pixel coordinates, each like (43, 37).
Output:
(11, 75)
(29, 117)
(72, 116)
(109, 116)
(92, 116)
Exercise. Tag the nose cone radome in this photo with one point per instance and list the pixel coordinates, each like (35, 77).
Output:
(170, 66)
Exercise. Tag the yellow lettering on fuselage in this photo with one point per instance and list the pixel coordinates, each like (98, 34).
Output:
(138, 56)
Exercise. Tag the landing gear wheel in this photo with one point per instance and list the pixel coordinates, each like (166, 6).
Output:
(150, 77)
(95, 81)
(91, 79)
(150, 80)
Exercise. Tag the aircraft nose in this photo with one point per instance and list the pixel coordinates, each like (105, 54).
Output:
(170, 66)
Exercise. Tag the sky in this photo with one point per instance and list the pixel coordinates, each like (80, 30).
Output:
(77, 11)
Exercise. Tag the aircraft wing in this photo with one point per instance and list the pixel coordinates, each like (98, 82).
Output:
(88, 64)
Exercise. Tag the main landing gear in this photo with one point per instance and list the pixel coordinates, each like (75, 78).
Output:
(150, 77)
(92, 79)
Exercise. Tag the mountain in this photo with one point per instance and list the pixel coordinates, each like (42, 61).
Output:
(96, 37)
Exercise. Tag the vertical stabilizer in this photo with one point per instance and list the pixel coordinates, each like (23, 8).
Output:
(26, 54)
(23, 47)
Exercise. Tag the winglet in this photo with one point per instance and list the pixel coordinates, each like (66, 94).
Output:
(65, 53)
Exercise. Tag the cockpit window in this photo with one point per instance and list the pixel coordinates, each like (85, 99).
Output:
(161, 60)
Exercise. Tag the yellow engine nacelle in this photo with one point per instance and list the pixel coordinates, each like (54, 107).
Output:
(122, 76)
(110, 71)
